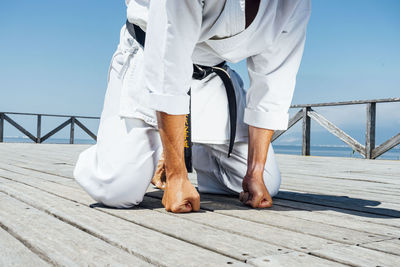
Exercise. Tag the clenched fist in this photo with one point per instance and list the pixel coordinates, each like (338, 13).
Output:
(180, 196)
(254, 193)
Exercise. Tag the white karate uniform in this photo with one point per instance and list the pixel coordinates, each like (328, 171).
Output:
(118, 169)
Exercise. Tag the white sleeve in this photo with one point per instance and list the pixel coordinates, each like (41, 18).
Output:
(172, 32)
(273, 77)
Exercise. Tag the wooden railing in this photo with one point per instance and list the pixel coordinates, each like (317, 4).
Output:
(305, 114)
(369, 151)
(39, 138)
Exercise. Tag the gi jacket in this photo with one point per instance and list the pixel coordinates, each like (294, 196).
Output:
(207, 32)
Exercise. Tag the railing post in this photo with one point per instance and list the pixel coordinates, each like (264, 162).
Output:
(306, 132)
(38, 128)
(72, 131)
(1, 127)
(370, 131)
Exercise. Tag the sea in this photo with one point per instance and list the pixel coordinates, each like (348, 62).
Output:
(315, 150)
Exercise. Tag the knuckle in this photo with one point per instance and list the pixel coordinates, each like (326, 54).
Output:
(258, 194)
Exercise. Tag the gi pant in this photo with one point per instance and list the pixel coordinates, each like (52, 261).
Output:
(118, 169)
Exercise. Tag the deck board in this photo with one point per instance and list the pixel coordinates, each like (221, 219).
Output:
(391, 246)
(15, 253)
(330, 211)
(57, 241)
(117, 230)
(358, 256)
(297, 259)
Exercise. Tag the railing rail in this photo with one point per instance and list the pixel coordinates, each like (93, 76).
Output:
(305, 114)
(38, 138)
(368, 151)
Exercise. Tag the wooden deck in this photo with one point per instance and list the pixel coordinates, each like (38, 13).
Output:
(330, 212)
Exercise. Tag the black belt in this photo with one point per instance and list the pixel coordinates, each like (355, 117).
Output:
(200, 72)
(136, 32)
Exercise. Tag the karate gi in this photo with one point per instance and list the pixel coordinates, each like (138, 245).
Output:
(118, 169)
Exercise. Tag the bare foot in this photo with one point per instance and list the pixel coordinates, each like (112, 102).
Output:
(159, 179)
(180, 196)
(254, 193)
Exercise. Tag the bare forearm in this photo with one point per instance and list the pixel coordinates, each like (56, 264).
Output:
(172, 133)
(259, 140)
(179, 195)
(255, 193)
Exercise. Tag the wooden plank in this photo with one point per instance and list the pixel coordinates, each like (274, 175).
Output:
(341, 167)
(356, 167)
(51, 115)
(285, 167)
(43, 176)
(72, 131)
(344, 174)
(358, 256)
(385, 192)
(20, 128)
(107, 225)
(368, 188)
(233, 207)
(41, 153)
(386, 146)
(38, 128)
(375, 195)
(337, 132)
(305, 187)
(62, 170)
(341, 103)
(378, 192)
(274, 235)
(59, 151)
(370, 131)
(369, 223)
(379, 220)
(74, 248)
(204, 236)
(68, 182)
(359, 225)
(337, 161)
(55, 130)
(56, 166)
(83, 127)
(340, 164)
(297, 259)
(15, 253)
(389, 246)
(5, 172)
(302, 204)
(311, 226)
(343, 202)
(44, 157)
(1, 127)
(199, 215)
(305, 148)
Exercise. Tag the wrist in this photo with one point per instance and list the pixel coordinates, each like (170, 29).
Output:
(259, 140)
(176, 172)
(255, 170)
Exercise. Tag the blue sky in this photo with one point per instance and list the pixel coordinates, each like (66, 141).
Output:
(55, 57)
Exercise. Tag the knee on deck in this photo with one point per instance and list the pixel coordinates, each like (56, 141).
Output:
(272, 180)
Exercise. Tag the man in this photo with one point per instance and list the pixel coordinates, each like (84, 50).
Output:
(147, 100)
